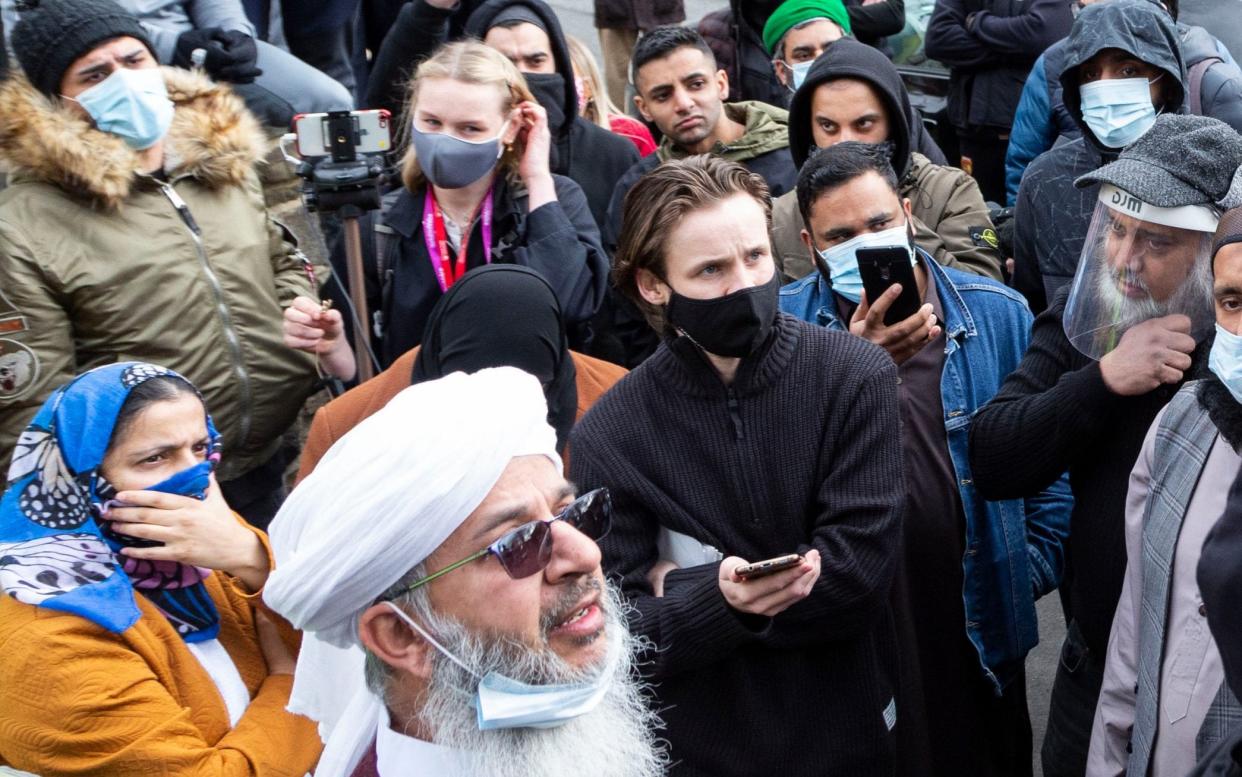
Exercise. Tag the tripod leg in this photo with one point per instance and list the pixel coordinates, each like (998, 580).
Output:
(358, 293)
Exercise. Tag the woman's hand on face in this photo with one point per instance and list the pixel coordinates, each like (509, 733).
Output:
(199, 533)
(535, 167)
(308, 327)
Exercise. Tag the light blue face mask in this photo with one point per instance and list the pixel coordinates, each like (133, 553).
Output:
(1225, 360)
(842, 260)
(1118, 111)
(798, 73)
(503, 702)
(131, 104)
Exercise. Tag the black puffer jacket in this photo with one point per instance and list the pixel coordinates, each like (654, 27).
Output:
(989, 46)
(589, 154)
(1052, 216)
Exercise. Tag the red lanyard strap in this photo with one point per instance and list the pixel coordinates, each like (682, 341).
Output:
(437, 240)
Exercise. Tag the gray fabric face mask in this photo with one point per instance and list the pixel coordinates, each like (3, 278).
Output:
(451, 163)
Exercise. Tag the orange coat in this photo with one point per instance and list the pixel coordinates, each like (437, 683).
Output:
(333, 420)
(76, 699)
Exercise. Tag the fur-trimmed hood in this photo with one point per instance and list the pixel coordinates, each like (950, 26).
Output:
(212, 138)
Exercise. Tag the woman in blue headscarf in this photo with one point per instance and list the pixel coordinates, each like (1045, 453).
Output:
(133, 634)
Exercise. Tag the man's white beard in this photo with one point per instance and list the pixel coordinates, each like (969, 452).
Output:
(616, 739)
(1124, 312)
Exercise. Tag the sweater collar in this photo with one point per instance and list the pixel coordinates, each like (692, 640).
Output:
(684, 367)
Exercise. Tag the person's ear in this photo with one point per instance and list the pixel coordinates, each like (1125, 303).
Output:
(907, 207)
(652, 289)
(782, 74)
(808, 242)
(391, 639)
(722, 84)
(641, 105)
(512, 128)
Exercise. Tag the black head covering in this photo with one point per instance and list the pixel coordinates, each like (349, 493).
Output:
(546, 88)
(848, 58)
(1139, 27)
(503, 315)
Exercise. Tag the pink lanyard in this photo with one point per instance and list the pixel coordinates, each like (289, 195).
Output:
(437, 241)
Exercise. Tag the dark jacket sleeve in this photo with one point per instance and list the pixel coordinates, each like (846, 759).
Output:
(611, 228)
(1027, 276)
(1041, 24)
(562, 243)
(1221, 94)
(878, 19)
(418, 30)
(1023, 440)
(948, 41)
(1033, 129)
(858, 527)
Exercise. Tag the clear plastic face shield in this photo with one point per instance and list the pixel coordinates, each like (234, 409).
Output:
(1140, 262)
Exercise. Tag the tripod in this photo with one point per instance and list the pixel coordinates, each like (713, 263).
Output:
(347, 183)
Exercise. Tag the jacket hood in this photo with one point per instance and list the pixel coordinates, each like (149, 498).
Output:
(847, 58)
(481, 21)
(767, 129)
(1136, 26)
(213, 138)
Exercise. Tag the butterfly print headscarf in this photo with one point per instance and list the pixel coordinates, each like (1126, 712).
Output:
(55, 551)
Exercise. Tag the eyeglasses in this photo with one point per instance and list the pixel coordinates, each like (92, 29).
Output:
(528, 548)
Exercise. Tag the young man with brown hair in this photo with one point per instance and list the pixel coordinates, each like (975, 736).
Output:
(748, 435)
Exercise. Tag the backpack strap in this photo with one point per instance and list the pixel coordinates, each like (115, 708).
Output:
(1194, 83)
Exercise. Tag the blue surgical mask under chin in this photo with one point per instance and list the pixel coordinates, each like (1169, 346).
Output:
(842, 260)
(1225, 360)
(1118, 111)
(131, 104)
(503, 702)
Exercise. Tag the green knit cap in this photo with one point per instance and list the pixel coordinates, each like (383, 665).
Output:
(794, 12)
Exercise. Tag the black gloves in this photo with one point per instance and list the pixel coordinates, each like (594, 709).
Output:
(231, 54)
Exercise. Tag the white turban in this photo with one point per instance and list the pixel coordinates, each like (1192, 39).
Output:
(379, 502)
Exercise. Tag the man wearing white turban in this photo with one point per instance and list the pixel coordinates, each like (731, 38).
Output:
(456, 618)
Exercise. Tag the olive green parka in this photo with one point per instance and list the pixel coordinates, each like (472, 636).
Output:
(100, 262)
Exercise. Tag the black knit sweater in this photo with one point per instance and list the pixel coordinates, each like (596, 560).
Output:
(1054, 413)
(802, 451)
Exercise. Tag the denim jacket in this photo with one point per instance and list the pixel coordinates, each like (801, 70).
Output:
(1014, 548)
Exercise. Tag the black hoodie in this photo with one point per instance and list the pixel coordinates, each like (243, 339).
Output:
(847, 58)
(590, 155)
(1051, 216)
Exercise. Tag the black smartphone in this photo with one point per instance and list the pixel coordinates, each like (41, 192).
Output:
(881, 268)
(767, 567)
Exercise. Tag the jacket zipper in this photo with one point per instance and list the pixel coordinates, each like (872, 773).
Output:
(735, 415)
(226, 320)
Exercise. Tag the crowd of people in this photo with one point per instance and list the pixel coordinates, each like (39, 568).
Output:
(731, 414)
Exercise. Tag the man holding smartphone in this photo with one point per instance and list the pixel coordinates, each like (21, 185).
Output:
(974, 568)
(760, 436)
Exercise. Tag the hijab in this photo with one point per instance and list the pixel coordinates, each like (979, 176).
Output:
(56, 548)
(503, 315)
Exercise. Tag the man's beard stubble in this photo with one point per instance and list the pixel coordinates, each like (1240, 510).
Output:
(616, 739)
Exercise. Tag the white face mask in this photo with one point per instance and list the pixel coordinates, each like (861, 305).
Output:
(503, 702)
(842, 259)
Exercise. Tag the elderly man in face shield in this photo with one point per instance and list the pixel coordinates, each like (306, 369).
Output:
(1108, 354)
(457, 621)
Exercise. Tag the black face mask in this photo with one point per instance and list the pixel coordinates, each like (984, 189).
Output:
(734, 325)
(549, 91)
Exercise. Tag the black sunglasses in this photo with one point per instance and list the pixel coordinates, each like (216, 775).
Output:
(528, 548)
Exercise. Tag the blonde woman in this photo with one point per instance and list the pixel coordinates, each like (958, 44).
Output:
(594, 104)
(478, 190)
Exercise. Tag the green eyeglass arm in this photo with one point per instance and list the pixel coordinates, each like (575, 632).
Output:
(445, 571)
